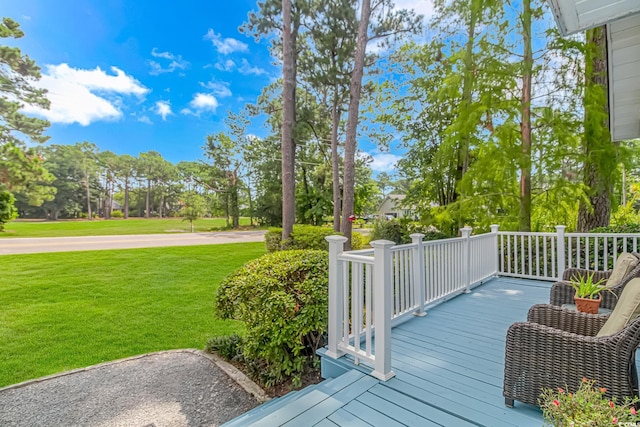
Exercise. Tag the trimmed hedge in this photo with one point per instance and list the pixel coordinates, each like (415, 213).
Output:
(398, 231)
(282, 299)
(307, 237)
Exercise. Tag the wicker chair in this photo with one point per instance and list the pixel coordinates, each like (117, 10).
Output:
(562, 292)
(557, 348)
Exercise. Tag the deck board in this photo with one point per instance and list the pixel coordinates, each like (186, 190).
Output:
(449, 369)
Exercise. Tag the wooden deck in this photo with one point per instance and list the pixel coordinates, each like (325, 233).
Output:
(449, 371)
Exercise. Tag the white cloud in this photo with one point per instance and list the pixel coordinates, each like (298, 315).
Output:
(384, 162)
(85, 96)
(227, 45)
(204, 102)
(227, 65)
(163, 108)
(145, 119)
(219, 89)
(176, 62)
(247, 69)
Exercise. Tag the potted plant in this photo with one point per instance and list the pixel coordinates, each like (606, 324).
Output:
(587, 406)
(587, 295)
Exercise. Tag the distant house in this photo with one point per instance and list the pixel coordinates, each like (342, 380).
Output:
(391, 207)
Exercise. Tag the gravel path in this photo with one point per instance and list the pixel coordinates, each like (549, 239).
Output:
(177, 388)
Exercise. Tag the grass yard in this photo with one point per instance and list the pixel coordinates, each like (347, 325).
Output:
(105, 227)
(61, 311)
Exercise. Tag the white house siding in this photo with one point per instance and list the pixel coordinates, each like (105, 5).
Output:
(624, 67)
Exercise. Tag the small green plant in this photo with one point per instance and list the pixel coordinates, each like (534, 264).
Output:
(228, 347)
(585, 286)
(587, 406)
(117, 214)
(282, 300)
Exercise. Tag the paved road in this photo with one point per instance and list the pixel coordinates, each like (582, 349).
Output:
(88, 243)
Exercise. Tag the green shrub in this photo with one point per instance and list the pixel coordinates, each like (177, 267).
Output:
(399, 231)
(273, 239)
(282, 300)
(117, 214)
(358, 241)
(622, 228)
(8, 210)
(303, 237)
(227, 346)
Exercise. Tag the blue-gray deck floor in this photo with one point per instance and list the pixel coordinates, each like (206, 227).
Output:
(449, 370)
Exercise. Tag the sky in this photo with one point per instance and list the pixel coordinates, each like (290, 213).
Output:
(133, 76)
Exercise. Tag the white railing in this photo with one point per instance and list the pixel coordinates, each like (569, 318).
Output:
(370, 290)
(545, 256)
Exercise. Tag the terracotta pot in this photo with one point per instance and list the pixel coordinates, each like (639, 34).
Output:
(587, 305)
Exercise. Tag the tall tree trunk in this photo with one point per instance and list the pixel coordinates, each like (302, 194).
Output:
(235, 209)
(467, 97)
(146, 213)
(600, 153)
(88, 190)
(126, 197)
(525, 126)
(288, 117)
(350, 148)
(250, 201)
(335, 161)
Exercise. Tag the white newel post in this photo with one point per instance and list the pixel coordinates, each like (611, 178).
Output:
(560, 250)
(418, 272)
(466, 233)
(336, 247)
(383, 297)
(496, 242)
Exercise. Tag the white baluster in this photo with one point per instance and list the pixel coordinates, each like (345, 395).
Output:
(560, 250)
(466, 233)
(418, 272)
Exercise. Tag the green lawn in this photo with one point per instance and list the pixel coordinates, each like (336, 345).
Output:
(101, 227)
(61, 311)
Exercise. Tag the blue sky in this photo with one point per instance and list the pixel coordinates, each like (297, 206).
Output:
(133, 76)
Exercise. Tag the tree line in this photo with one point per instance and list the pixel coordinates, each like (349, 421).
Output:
(501, 119)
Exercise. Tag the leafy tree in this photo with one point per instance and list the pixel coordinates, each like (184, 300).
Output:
(65, 163)
(7, 209)
(148, 167)
(21, 168)
(194, 207)
(124, 169)
(228, 154)
(385, 22)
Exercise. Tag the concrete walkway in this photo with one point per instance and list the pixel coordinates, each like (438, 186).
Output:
(168, 389)
(9, 246)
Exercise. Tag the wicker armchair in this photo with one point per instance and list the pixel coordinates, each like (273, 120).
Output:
(557, 348)
(562, 292)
